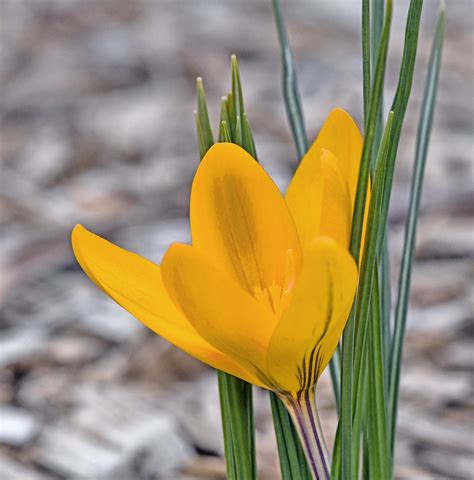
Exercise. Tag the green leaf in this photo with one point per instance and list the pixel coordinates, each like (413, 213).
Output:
(291, 94)
(424, 131)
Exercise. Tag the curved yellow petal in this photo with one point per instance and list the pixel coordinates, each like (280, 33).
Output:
(222, 312)
(240, 219)
(341, 136)
(309, 194)
(320, 201)
(308, 332)
(136, 284)
(336, 211)
(304, 197)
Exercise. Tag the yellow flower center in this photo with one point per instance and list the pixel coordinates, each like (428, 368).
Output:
(275, 296)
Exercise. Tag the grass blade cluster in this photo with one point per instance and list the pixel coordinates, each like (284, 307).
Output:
(352, 336)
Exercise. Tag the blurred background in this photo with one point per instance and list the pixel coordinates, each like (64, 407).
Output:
(97, 127)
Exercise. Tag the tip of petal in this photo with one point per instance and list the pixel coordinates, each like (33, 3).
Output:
(340, 114)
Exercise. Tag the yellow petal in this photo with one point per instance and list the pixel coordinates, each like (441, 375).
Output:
(308, 332)
(319, 199)
(304, 197)
(222, 312)
(341, 136)
(320, 195)
(240, 219)
(336, 210)
(136, 284)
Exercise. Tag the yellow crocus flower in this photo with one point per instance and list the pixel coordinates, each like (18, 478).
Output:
(265, 290)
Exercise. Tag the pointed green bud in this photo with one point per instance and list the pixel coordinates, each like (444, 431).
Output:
(225, 117)
(224, 132)
(238, 132)
(247, 137)
(237, 95)
(203, 115)
(203, 148)
(232, 113)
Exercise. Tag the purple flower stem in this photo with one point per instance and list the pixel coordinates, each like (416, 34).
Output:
(305, 418)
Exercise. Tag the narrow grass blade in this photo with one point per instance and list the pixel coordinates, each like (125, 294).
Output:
(291, 94)
(402, 94)
(386, 306)
(377, 430)
(377, 8)
(366, 57)
(424, 131)
(376, 22)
